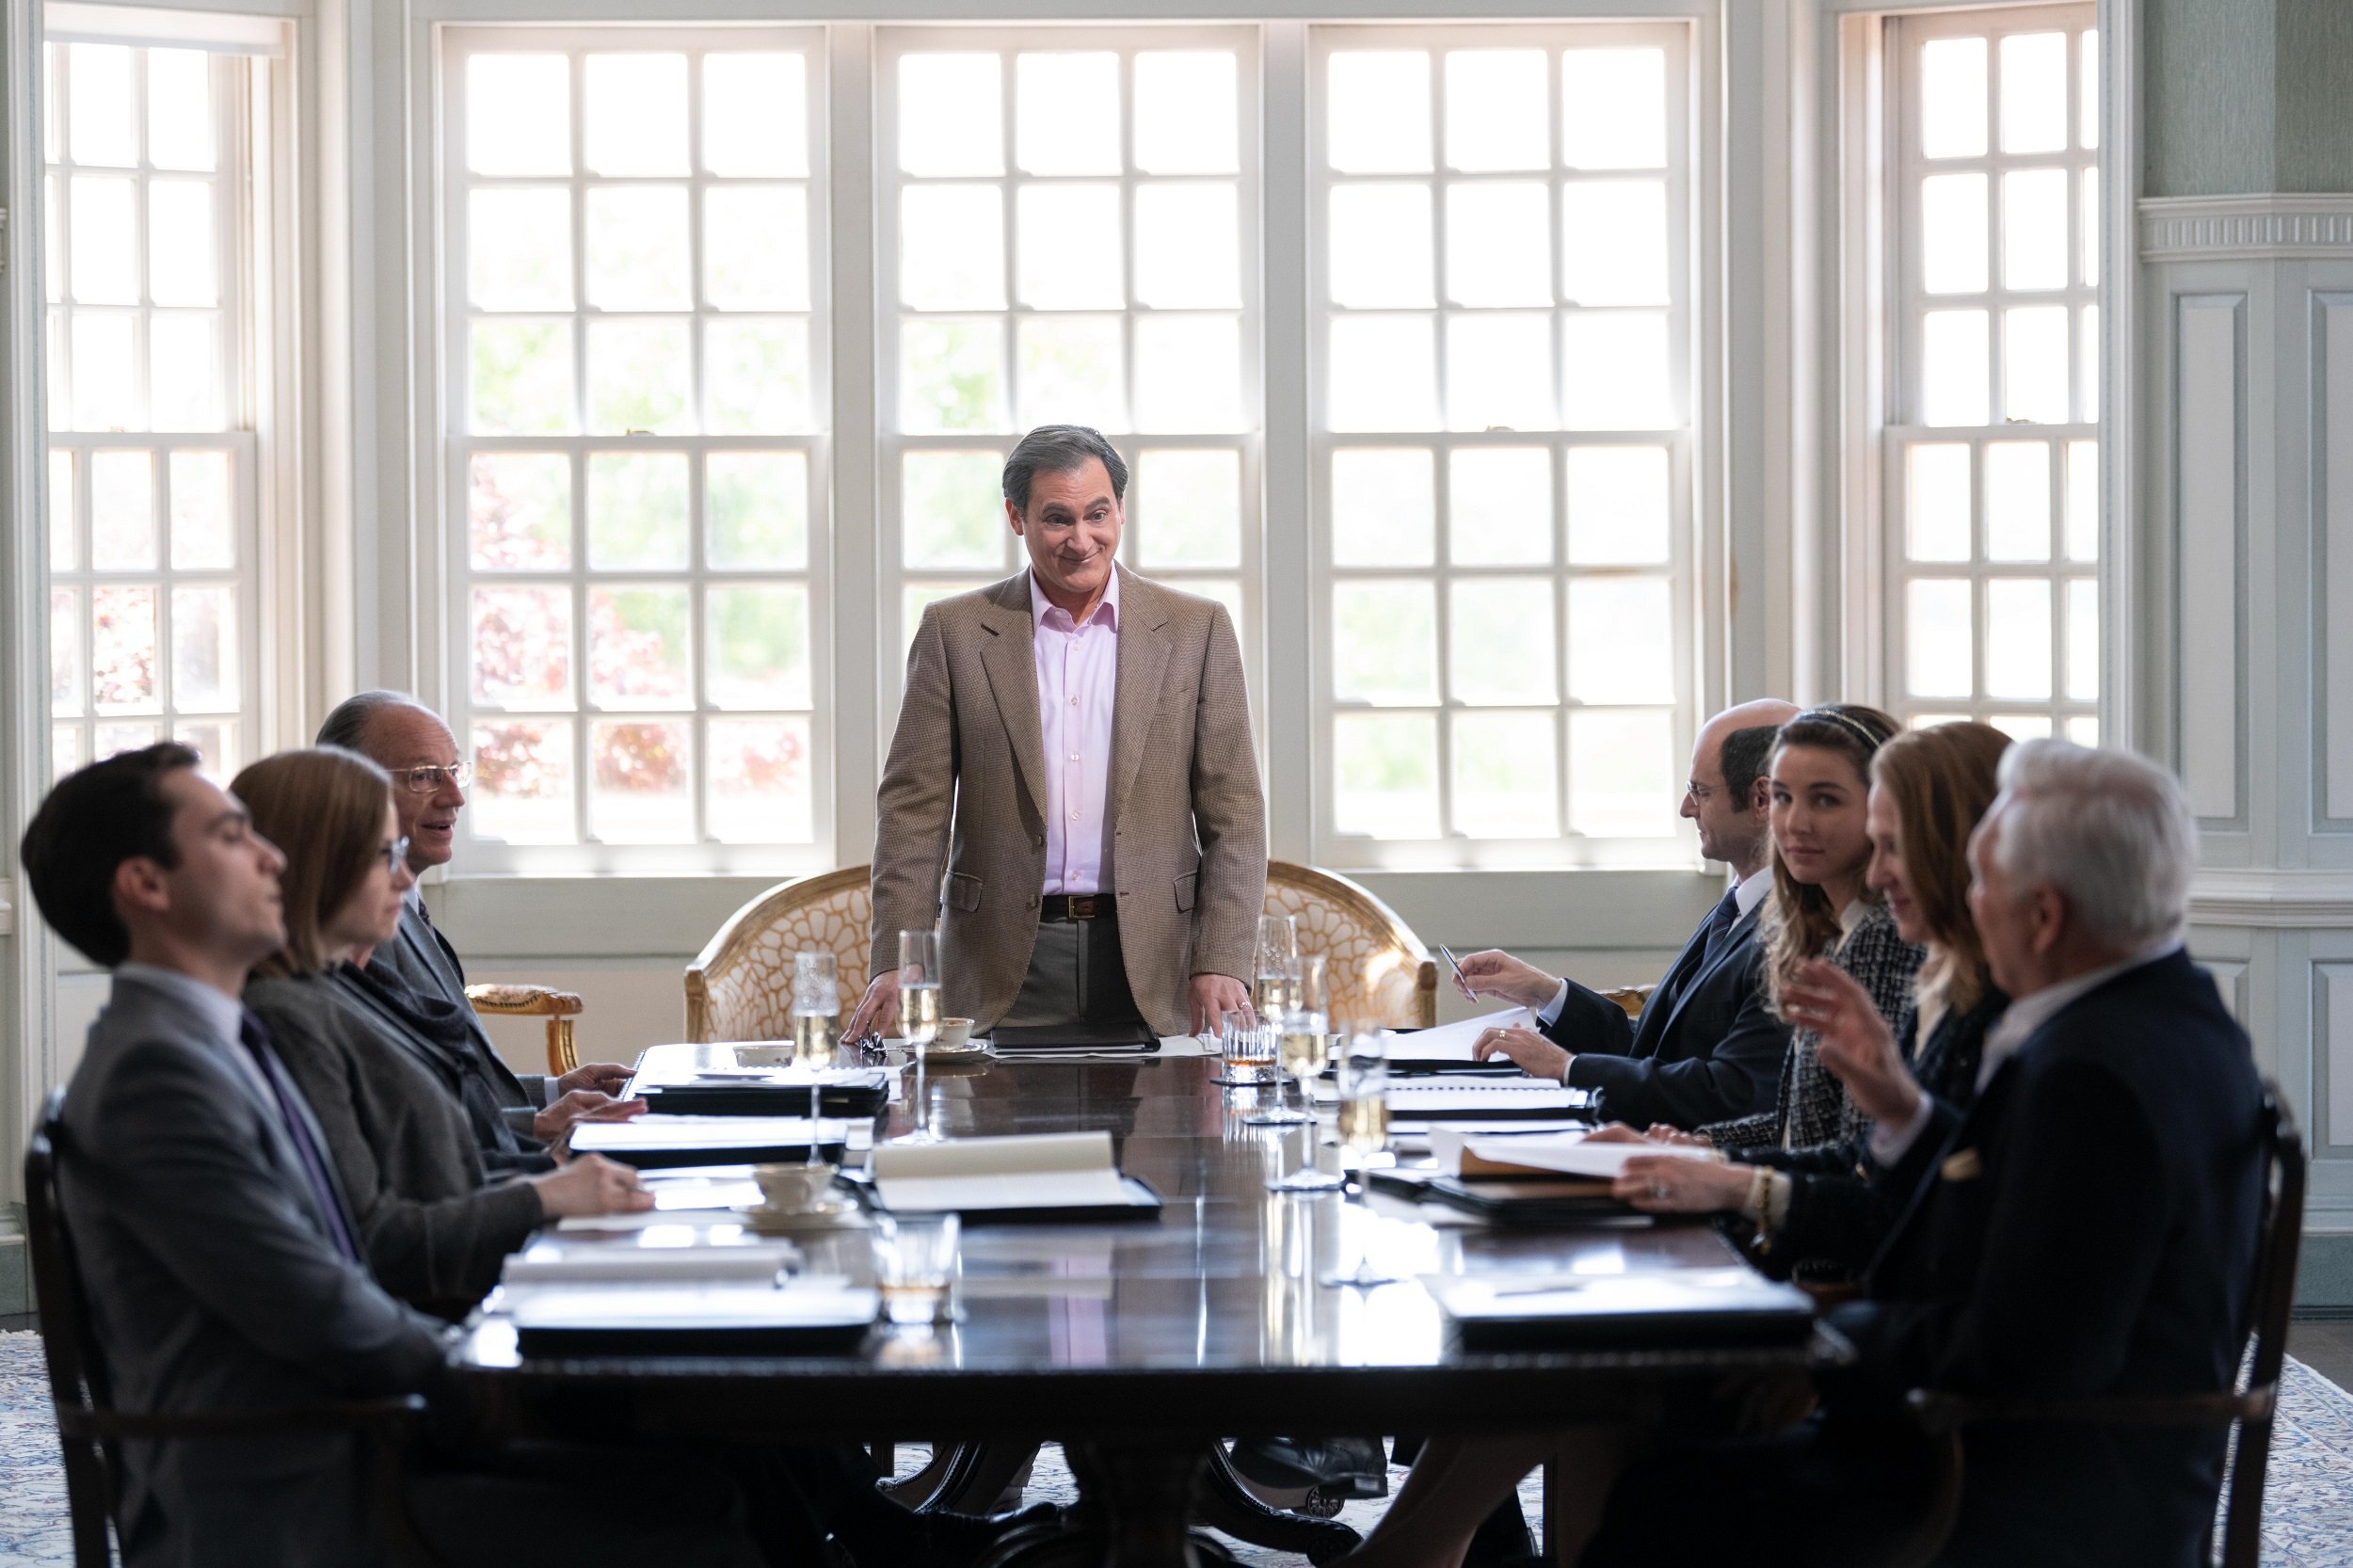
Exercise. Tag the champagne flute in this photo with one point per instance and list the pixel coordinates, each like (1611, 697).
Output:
(816, 1013)
(1278, 944)
(918, 1016)
(1297, 1025)
(1302, 1049)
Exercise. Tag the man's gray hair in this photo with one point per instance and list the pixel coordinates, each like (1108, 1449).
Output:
(347, 726)
(1060, 449)
(2109, 829)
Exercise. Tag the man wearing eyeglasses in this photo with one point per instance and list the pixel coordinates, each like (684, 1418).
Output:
(410, 742)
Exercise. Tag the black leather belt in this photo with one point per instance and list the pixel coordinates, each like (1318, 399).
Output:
(1077, 907)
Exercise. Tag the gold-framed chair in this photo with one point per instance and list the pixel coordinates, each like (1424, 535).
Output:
(740, 986)
(535, 1002)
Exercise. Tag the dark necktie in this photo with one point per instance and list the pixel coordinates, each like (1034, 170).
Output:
(255, 1038)
(1719, 925)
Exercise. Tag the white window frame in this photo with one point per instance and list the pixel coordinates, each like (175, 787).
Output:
(1883, 231)
(456, 444)
(1686, 238)
(894, 577)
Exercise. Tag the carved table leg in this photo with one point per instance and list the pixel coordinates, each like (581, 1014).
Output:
(1225, 1504)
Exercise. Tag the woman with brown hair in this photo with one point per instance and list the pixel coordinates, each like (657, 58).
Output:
(386, 1100)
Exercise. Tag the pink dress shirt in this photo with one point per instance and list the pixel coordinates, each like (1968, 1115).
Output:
(1078, 683)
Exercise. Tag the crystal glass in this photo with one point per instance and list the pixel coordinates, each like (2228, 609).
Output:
(918, 1016)
(816, 1015)
(1364, 1085)
(1246, 1044)
(1278, 946)
(1303, 1046)
(915, 1266)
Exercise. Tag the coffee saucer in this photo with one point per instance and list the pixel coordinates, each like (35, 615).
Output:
(835, 1211)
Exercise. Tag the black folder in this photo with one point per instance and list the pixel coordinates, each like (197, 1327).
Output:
(860, 1101)
(1076, 1037)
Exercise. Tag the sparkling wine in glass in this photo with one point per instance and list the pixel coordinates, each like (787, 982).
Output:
(919, 1015)
(1278, 946)
(816, 1015)
(1302, 1050)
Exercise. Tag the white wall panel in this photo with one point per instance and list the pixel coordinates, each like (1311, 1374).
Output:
(2334, 463)
(2206, 411)
(2333, 1049)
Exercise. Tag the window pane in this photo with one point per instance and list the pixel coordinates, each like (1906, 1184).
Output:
(1188, 245)
(1956, 359)
(522, 378)
(2034, 92)
(2022, 727)
(2083, 500)
(951, 248)
(2034, 228)
(1499, 506)
(2087, 59)
(1615, 371)
(1071, 372)
(1498, 372)
(759, 790)
(1186, 509)
(636, 510)
(953, 513)
(1620, 640)
(1386, 769)
(1066, 112)
(755, 375)
(519, 249)
(756, 247)
(1940, 641)
(1937, 502)
(1952, 98)
(123, 511)
(636, 248)
(2018, 639)
(758, 646)
(1494, 109)
(1613, 240)
(642, 789)
(951, 376)
(53, 239)
(951, 114)
(2089, 242)
(65, 750)
(756, 509)
(204, 649)
(1498, 244)
(180, 243)
(1068, 244)
(519, 511)
(519, 114)
(755, 114)
(183, 374)
(1380, 247)
(523, 646)
(1507, 781)
(637, 647)
(2017, 501)
(1622, 773)
(104, 111)
(1619, 505)
(105, 384)
(215, 743)
(1954, 234)
(1383, 509)
(203, 526)
(180, 108)
(2034, 371)
(113, 738)
(522, 788)
(635, 118)
(105, 233)
(123, 653)
(1613, 108)
(1377, 111)
(65, 650)
(1186, 112)
(1384, 643)
(2088, 351)
(639, 377)
(63, 549)
(1499, 642)
(2083, 639)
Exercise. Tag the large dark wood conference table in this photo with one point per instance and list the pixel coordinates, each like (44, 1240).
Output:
(1236, 1311)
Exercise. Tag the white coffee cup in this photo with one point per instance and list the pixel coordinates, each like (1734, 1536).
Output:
(794, 1188)
(954, 1033)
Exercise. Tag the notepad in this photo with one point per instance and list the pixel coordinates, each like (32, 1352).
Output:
(1451, 1042)
(653, 1139)
(716, 1319)
(551, 1261)
(1481, 1099)
(1676, 1307)
(1568, 1154)
(1044, 1173)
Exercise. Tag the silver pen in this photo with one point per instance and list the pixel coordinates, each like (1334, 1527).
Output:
(1460, 978)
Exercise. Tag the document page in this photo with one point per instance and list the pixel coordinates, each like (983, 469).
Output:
(1569, 1154)
(1451, 1042)
(1419, 1101)
(648, 1134)
(1059, 1170)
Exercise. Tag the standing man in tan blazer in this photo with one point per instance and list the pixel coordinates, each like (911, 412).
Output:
(1073, 758)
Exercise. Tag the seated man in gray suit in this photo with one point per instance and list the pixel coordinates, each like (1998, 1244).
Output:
(513, 1113)
(1705, 1048)
(221, 1267)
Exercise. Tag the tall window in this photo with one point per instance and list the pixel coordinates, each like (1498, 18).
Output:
(152, 524)
(1069, 236)
(635, 381)
(1500, 258)
(1993, 456)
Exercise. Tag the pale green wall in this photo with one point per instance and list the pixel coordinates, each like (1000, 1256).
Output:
(2242, 96)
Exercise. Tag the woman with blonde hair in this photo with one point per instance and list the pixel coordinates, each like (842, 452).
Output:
(434, 1229)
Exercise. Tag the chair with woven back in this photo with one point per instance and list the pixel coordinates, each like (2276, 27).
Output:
(90, 1431)
(739, 987)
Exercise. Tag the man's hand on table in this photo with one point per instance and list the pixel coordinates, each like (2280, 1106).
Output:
(1531, 1051)
(591, 1185)
(582, 1105)
(1213, 997)
(877, 1011)
(605, 1077)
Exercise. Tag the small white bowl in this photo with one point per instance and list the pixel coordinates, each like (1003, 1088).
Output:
(794, 1188)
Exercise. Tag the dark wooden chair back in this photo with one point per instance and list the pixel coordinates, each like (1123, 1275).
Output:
(2250, 1409)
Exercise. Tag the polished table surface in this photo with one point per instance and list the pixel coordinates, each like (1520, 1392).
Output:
(1236, 1310)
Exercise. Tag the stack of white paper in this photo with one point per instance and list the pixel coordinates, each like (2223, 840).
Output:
(1451, 1042)
(547, 1262)
(1057, 1170)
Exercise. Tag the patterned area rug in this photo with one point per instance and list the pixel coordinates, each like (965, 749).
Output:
(2308, 1510)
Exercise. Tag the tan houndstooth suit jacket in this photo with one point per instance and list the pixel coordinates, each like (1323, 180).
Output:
(963, 798)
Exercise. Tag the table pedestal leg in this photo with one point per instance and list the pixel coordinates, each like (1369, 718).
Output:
(1135, 1506)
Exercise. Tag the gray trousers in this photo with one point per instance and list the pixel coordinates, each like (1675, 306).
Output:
(1076, 976)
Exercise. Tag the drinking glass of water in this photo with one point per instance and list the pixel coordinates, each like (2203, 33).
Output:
(816, 1016)
(918, 1018)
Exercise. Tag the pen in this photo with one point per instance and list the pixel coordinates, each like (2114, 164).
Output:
(1460, 978)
